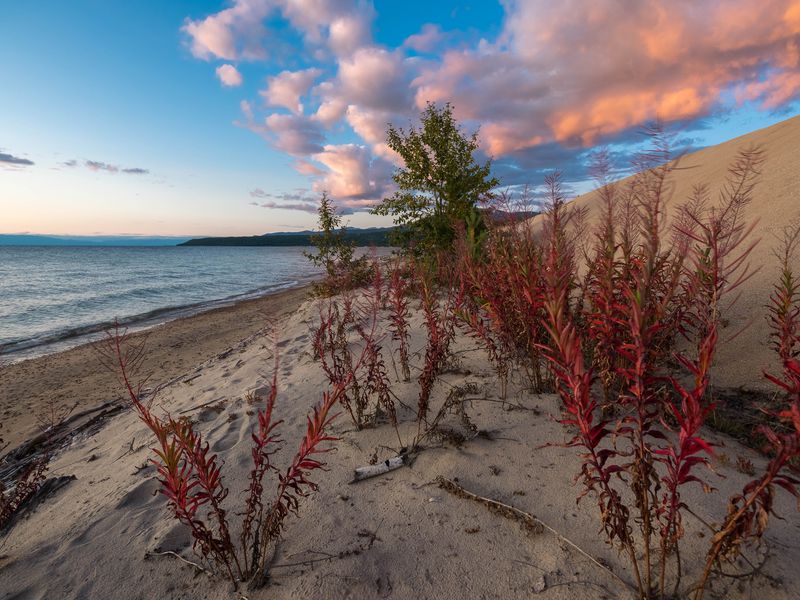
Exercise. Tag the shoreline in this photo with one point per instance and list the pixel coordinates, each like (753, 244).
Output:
(74, 376)
(63, 341)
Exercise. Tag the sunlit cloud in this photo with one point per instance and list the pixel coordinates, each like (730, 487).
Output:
(287, 88)
(229, 76)
(556, 80)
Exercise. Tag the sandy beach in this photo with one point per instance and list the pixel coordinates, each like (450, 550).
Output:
(76, 378)
(397, 536)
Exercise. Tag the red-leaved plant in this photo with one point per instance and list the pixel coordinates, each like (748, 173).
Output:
(643, 294)
(191, 475)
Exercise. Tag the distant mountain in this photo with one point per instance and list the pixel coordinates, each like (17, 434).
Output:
(370, 236)
(24, 239)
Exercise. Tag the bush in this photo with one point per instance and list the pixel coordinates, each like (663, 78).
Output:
(335, 254)
(192, 480)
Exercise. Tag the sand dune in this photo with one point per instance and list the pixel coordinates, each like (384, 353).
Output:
(776, 202)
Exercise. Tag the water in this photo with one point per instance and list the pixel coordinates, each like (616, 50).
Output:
(52, 298)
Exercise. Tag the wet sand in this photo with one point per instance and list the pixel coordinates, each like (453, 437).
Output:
(75, 376)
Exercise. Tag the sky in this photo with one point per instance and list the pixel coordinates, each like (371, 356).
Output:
(193, 118)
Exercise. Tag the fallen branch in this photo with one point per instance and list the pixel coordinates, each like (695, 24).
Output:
(179, 557)
(527, 520)
(390, 464)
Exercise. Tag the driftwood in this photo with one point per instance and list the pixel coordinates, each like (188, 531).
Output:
(390, 464)
(527, 520)
(89, 420)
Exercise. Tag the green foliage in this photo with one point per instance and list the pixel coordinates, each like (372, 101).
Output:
(440, 184)
(335, 253)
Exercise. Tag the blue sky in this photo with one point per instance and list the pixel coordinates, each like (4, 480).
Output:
(115, 120)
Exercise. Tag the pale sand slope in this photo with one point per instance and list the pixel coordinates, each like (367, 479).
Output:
(90, 539)
(775, 203)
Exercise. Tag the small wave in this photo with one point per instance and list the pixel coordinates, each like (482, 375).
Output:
(21, 349)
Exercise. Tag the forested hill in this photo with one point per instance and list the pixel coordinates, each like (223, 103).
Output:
(372, 236)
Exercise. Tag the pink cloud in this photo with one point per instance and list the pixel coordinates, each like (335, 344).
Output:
(353, 176)
(426, 40)
(229, 75)
(294, 134)
(573, 72)
(287, 88)
(232, 33)
(559, 73)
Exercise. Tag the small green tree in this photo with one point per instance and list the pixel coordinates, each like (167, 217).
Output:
(335, 252)
(440, 184)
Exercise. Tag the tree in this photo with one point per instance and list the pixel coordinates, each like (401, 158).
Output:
(335, 252)
(440, 183)
(332, 249)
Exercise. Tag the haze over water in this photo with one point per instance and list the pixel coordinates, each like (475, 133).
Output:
(52, 298)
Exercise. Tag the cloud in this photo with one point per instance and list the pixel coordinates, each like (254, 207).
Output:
(229, 75)
(302, 201)
(95, 165)
(239, 32)
(353, 176)
(426, 40)
(16, 161)
(294, 134)
(557, 79)
(286, 88)
(231, 34)
(574, 74)
(301, 206)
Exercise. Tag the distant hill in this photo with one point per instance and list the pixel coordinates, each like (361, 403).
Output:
(25, 239)
(371, 236)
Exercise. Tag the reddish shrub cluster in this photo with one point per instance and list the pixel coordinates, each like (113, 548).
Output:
(191, 476)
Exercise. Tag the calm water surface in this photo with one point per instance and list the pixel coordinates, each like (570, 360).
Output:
(52, 298)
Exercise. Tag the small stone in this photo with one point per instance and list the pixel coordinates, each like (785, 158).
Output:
(539, 585)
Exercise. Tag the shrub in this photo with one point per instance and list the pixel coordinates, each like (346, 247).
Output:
(335, 254)
(192, 480)
(634, 301)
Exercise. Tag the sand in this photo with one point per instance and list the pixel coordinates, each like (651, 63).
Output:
(776, 203)
(396, 536)
(75, 377)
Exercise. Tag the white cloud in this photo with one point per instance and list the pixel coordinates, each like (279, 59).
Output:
(229, 75)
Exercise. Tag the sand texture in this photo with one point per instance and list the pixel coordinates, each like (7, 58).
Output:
(396, 536)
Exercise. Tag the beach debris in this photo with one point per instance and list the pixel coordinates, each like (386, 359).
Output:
(29, 503)
(528, 521)
(390, 464)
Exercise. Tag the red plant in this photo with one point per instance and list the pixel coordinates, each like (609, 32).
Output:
(440, 318)
(503, 300)
(749, 511)
(574, 381)
(636, 297)
(191, 476)
(398, 316)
